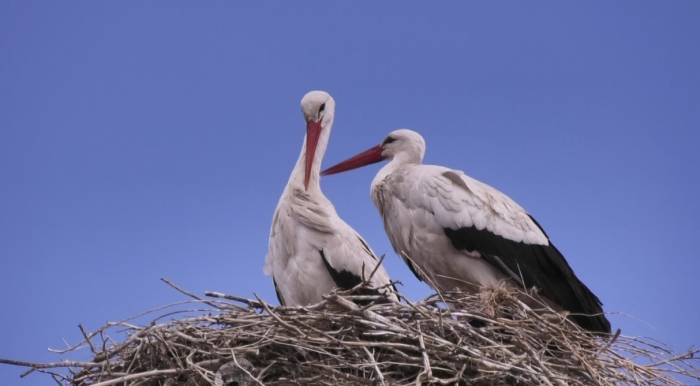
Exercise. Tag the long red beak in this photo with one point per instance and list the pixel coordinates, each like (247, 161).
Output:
(367, 157)
(313, 132)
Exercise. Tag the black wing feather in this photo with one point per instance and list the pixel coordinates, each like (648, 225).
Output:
(343, 279)
(347, 280)
(540, 266)
(412, 268)
(277, 291)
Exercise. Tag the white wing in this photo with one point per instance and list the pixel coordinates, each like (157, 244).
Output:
(311, 251)
(459, 201)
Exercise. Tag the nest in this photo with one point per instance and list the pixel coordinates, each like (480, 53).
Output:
(351, 338)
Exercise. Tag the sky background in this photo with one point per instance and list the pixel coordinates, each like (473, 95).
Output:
(153, 139)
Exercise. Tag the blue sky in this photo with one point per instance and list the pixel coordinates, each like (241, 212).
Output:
(153, 139)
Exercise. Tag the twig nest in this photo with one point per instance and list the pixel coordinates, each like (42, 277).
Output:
(355, 338)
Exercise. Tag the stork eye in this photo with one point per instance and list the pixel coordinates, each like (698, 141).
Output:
(323, 107)
(388, 140)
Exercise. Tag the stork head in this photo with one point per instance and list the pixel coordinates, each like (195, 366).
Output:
(318, 108)
(403, 145)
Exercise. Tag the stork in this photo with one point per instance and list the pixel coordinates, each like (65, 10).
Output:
(311, 250)
(463, 233)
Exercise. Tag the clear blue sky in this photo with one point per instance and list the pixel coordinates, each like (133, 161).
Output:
(153, 139)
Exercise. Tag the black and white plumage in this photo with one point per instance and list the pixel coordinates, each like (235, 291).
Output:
(311, 250)
(464, 233)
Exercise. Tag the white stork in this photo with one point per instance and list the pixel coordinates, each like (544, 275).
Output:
(464, 233)
(311, 250)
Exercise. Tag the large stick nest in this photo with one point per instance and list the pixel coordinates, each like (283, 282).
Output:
(492, 338)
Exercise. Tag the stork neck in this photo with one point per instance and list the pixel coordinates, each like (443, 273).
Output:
(378, 180)
(399, 160)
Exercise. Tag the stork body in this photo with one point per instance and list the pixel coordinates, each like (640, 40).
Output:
(311, 249)
(455, 231)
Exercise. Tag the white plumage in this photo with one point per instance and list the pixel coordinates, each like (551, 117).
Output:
(311, 249)
(455, 231)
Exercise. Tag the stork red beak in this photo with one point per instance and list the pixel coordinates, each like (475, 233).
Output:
(367, 157)
(313, 132)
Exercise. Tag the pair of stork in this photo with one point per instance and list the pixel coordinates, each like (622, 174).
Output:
(452, 230)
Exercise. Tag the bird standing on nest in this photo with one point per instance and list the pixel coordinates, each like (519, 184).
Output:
(456, 232)
(311, 249)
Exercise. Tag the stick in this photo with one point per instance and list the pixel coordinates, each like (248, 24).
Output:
(233, 354)
(145, 374)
